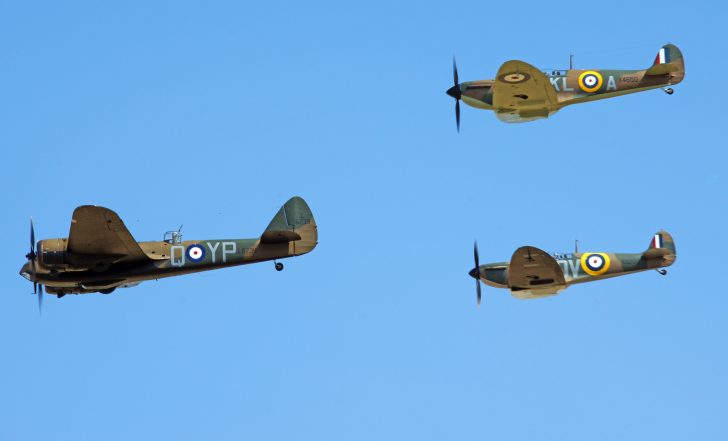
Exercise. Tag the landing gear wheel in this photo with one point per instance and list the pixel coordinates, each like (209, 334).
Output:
(669, 90)
(279, 266)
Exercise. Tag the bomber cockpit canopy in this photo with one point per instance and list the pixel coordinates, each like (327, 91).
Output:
(173, 237)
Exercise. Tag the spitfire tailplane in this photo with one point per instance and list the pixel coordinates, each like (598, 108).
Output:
(669, 61)
(293, 224)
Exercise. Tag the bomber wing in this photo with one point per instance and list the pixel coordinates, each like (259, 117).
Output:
(98, 235)
(534, 269)
(523, 90)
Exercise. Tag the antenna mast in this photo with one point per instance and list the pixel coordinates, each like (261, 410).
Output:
(571, 61)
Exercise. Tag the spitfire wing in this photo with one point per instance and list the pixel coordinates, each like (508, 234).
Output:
(99, 234)
(520, 87)
(532, 268)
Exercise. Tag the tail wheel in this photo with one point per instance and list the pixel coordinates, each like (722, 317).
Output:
(279, 266)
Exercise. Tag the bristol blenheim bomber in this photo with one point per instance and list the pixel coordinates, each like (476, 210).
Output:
(100, 255)
(522, 93)
(533, 273)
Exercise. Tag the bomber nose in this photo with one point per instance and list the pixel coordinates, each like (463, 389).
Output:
(454, 92)
(25, 272)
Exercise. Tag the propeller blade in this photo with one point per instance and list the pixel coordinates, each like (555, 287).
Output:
(477, 271)
(477, 284)
(455, 92)
(455, 72)
(40, 299)
(475, 255)
(32, 255)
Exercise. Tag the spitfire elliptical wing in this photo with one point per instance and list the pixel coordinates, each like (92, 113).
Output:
(521, 89)
(534, 269)
(99, 234)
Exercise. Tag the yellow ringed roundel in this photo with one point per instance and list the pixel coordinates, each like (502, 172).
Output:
(590, 81)
(595, 264)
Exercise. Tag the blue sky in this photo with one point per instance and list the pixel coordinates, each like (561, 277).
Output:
(213, 115)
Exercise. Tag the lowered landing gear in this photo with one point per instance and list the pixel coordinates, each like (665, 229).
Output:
(668, 90)
(662, 272)
(279, 266)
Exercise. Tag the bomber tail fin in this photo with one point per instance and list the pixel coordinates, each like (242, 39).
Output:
(293, 224)
(669, 61)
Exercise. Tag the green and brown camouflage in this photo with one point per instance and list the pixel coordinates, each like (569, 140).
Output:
(522, 93)
(533, 273)
(101, 255)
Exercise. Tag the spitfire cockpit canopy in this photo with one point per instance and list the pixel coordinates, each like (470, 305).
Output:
(555, 72)
(562, 256)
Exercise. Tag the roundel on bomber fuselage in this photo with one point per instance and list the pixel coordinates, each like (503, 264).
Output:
(595, 264)
(195, 253)
(590, 81)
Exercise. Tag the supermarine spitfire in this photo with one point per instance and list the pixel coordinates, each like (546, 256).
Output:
(533, 273)
(101, 255)
(522, 93)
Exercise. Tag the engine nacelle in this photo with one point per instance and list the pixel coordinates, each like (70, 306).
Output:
(52, 253)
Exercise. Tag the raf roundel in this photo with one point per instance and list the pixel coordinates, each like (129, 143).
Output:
(514, 77)
(195, 253)
(590, 81)
(595, 264)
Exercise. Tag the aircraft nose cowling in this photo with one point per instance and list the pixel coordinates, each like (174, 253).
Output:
(25, 272)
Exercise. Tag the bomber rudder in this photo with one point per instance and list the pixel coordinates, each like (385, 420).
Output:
(293, 224)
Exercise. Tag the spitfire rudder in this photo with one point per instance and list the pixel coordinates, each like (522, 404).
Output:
(662, 239)
(661, 251)
(669, 60)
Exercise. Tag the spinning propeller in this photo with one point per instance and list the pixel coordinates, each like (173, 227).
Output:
(455, 92)
(476, 272)
(32, 256)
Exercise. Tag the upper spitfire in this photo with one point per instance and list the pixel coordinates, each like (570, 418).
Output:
(100, 255)
(522, 93)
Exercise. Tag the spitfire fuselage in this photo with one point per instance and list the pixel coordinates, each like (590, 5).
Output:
(496, 274)
(566, 84)
(533, 273)
(521, 92)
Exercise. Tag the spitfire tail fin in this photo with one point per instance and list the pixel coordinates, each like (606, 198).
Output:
(669, 61)
(293, 224)
(662, 239)
(661, 249)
